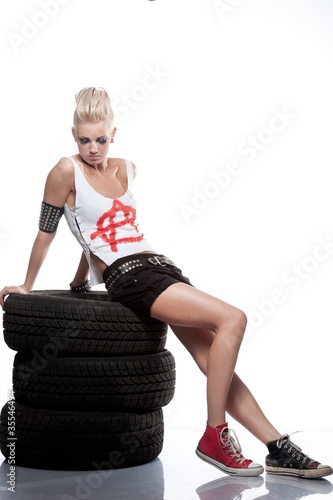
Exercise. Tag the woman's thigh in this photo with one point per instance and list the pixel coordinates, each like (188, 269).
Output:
(184, 305)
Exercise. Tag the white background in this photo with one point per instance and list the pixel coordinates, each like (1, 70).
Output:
(218, 77)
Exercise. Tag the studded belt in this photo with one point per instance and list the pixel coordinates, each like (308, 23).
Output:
(138, 261)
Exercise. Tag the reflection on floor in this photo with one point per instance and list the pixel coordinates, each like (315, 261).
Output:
(177, 474)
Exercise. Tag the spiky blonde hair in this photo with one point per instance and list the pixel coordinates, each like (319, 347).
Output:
(93, 105)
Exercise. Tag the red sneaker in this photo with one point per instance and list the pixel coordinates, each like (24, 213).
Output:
(219, 448)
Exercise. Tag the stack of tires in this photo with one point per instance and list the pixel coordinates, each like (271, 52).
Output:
(90, 379)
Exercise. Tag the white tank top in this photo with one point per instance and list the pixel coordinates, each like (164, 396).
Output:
(104, 226)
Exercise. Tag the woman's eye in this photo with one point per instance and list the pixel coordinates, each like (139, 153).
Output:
(100, 140)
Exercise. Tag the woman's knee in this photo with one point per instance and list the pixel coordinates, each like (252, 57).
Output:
(236, 320)
(242, 319)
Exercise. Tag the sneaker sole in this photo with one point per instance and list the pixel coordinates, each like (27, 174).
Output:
(305, 473)
(232, 471)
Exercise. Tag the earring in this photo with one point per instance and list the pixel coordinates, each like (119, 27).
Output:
(112, 140)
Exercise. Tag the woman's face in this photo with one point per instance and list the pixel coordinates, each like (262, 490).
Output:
(93, 141)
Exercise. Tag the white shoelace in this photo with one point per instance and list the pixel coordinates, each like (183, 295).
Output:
(280, 441)
(232, 443)
(285, 440)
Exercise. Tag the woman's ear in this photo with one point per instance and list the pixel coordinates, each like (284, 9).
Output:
(74, 134)
(113, 133)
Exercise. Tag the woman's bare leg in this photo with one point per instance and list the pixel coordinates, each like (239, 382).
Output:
(241, 404)
(183, 305)
(212, 331)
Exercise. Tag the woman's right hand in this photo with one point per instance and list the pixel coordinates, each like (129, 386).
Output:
(11, 289)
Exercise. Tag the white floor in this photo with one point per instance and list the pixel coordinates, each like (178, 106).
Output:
(177, 474)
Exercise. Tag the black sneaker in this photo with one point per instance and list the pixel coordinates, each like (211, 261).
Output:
(287, 458)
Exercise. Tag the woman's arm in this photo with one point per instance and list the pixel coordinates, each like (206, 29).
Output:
(58, 187)
(37, 257)
(81, 279)
(39, 251)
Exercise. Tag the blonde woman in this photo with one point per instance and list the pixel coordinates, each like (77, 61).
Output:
(93, 190)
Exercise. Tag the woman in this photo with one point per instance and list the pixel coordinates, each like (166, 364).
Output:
(93, 191)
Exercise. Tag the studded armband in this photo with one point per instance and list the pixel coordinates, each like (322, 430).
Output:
(49, 217)
(84, 288)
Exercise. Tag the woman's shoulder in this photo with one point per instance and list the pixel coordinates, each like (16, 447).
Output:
(130, 164)
(59, 183)
(62, 170)
(122, 164)
(64, 164)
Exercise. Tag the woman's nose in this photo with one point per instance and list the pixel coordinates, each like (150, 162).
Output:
(93, 147)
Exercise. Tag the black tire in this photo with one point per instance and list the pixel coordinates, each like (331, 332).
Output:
(65, 323)
(81, 441)
(128, 383)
